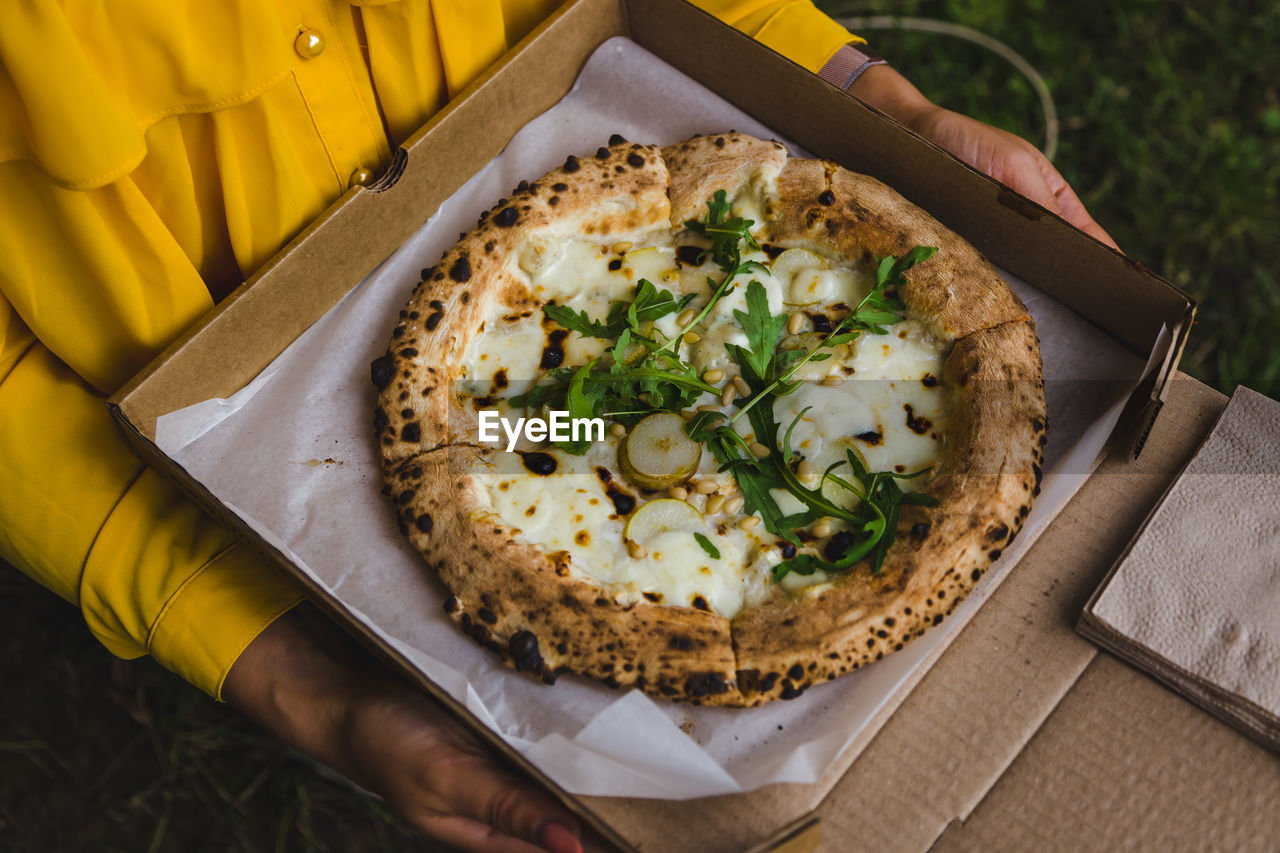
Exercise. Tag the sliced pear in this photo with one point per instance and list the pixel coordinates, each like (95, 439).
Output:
(538, 254)
(657, 453)
(810, 279)
(656, 263)
(663, 516)
(792, 261)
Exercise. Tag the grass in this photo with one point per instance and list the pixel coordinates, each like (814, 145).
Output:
(107, 755)
(1171, 134)
(1170, 116)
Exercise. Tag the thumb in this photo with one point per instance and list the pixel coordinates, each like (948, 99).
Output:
(1070, 206)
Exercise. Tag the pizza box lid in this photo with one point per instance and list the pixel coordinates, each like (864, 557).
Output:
(246, 331)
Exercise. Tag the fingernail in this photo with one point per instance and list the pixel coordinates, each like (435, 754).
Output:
(555, 837)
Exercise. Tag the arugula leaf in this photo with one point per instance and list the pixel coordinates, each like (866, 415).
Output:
(755, 481)
(878, 516)
(651, 304)
(545, 393)
(726, 234)
(762, 330)
(581, 401)
(891, 269)
(787, 452)
(579, 322)
(712, 551)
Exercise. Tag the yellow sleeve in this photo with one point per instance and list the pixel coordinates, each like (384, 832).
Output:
(78, 511)
(794, 28)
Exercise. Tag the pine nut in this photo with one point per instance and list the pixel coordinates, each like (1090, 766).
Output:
(617, 430)
(678, 492)
(740, 385)
(714, 375)
(686, 316)
(624, 246)
(688, 414)
(805, 471)
(732, 505)
(759, 450)
(727, 395)
(691, 337)
(706, 487)
(795, 322)
(707, 407)
(751, 522)
(832, 381)
(823, 528)
(636, 550)
(714, 503)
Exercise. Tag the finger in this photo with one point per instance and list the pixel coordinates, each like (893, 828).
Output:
(472, 835)
(479, 790)
(435, 773)
(558, 838)
(525, 811)
(1072, 209)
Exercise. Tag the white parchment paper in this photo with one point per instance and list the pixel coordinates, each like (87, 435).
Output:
(292, 453)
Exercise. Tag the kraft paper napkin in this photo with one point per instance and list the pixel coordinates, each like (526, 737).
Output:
(1196, 601)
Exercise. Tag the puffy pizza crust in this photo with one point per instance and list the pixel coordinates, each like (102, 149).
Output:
(525, 604)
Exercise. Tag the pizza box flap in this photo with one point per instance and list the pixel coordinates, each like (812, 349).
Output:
(251, 327)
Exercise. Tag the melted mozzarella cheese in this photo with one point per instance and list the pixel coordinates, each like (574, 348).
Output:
(877, 394)
(578, 274)
(511, 345)
(827, 286)
(721, 325)
(571, 510)
(882, 399)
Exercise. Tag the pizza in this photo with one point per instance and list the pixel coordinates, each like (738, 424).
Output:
(812, 416)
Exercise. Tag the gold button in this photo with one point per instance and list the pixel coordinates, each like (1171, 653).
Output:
(309, 44)
(361, 177)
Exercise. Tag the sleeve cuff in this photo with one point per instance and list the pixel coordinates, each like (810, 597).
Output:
(804, 35)
(216, 614)
(849, 63)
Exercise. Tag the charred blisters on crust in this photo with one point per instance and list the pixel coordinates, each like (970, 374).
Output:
(460, 270)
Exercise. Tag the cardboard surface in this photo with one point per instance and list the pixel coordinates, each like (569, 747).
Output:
(1124, 763)
(962, 728)
(1026, 633)
(966, 722)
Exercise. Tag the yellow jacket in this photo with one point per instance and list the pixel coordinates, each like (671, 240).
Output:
(152, 154)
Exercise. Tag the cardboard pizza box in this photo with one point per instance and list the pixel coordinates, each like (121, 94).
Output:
(971, 715)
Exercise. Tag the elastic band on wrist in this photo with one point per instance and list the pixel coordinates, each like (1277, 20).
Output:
(849, 63)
